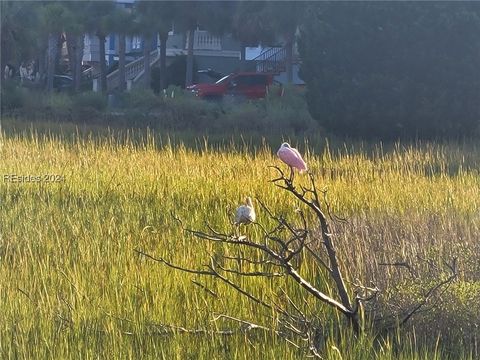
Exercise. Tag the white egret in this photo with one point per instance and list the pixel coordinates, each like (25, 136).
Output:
(245, 214)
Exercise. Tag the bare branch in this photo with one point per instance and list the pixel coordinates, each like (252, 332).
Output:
(205, 288)
(176, 218)
(250, 261)
(167, 328)
(252, 273)
(292, 303)
(239, 289)
(317, 293)
(161, 260)
(246, 325)
(318, 258)
(326, 235)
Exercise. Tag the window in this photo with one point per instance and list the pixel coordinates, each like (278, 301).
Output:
(136, 42)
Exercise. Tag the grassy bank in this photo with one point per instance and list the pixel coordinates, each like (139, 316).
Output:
(71, 285)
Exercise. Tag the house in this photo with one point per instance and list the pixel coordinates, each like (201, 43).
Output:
(221, 53)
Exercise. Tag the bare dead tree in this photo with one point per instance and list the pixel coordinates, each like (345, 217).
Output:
(278, 253)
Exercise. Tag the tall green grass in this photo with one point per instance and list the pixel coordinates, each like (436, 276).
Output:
(71, 285)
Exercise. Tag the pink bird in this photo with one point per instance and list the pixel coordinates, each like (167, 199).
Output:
(291, 157)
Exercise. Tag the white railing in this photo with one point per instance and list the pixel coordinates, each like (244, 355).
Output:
(203, 40)
(132, 70)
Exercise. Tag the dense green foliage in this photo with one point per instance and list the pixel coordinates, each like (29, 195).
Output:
(373, 69)
(390, 69)
(19, 32)
(174, 109)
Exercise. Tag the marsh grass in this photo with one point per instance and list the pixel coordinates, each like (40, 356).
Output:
(71, 285)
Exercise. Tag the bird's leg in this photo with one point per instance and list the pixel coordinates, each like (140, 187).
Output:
(290, 179)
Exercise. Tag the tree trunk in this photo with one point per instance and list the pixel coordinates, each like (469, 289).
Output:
(147, 41)
(58, 53)
(79, 45)
(163, 60)
(103, 65)
(52, 52)
(71, 44)
(3, 56)
(289, 58)
(121, 62)
(189, 73)
(335, 271)
(41, 58)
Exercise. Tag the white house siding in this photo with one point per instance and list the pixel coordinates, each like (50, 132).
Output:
(91, 50)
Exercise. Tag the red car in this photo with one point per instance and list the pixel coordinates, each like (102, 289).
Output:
(249, 85)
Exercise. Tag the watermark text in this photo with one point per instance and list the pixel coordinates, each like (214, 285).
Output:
(31, 178)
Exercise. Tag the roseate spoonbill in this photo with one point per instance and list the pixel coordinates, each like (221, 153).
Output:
(245, 214)
(291, 157)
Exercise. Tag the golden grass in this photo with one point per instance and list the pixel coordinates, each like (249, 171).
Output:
(71, 285)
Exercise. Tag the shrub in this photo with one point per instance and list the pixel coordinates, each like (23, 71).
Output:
(287, 96)
(248, 116)
(139, 98)
(88, 106)
(13, 96)
(175, 92)
(174, 109)
(187, 112)
(289, 119)
(58, 101)
(90, 100)
(282, 114)
(290, 110)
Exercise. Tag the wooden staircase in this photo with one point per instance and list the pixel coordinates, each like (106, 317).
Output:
(134, 70)
(272, 61)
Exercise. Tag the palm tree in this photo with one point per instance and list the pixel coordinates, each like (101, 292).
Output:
(251, 26)
(163, 35)
(285, 18)
(90, 17)
(147, 24)
(158, 18)
(53, 20)
(190, 14)
(76, 18)
(99, 13)
(187, 19)
(120, 22)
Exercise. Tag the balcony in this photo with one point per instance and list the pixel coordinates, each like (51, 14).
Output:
(203, 40)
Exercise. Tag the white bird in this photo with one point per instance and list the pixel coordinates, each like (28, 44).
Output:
(245, 214)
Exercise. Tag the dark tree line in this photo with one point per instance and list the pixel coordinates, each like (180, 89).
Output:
(393, 69)
(373, 69)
